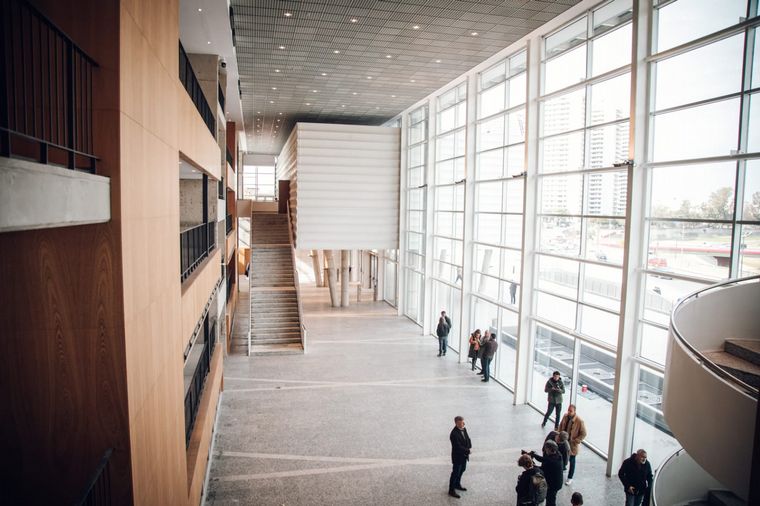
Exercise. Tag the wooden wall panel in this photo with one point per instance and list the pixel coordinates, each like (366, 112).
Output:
(63, 388)
(195, 140)
(196, 293)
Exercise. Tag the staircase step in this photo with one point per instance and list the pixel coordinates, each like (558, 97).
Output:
(277, 349)
(724, 498)
(738, 367)
(257, 341)
(747, 349)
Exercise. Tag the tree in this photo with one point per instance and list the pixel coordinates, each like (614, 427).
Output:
(754, 207)
(720, 204)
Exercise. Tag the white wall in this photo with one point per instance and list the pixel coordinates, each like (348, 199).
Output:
(345, 185)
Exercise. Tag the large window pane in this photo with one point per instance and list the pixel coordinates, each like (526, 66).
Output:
(611, 100)
(413, 299)
(708, 130)
(611, 51)
(484, 315)
(487, 259)
(556, 309)
(693, 191)
(605, 240)
(569, 36)
(749, 252)
(511, 264)
(650, 430)
(488, 228)
(600, 325)
(751, 207)
(507, 351)
(560, 235)
(565, 70)
(611, 15)
(492, 100)
(654, 342)
(517, 90)
(691, 248)
(608, 145)
(564, 113)
(606, 193)
(562, 194)
(488, 197)
(491, 133)
(563, 153)
(558, 275)
(602, 286)
(706, 72)
(686, 20)
(753, 136)
(596, 389)
(490, 165)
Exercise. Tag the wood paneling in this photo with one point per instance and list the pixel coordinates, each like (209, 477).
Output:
(195, 140)
(196, 295)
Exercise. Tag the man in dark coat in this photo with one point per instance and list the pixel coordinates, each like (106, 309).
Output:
(488, 353)
(551, 466)
(524, 488)
(442, 331)
(554, 389)
(636, 476)
(460, 454)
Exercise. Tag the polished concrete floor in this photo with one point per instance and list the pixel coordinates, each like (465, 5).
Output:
(363, 419)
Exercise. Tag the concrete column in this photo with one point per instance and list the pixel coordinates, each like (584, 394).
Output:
(332, 278)
(354, 265)
(317, 268)
(345, 262)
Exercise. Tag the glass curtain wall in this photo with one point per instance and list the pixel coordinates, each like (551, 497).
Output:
(448, 211)
(416, 206)
(584, 115)
(703, 210)
(497, 235)
(259, 182)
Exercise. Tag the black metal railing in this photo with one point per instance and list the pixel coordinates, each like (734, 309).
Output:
(98, 488)
(195, 244)
(230, 160)
(193, 87)
(220, 94)
(220, 189)
(46, 84)
(198, 381)
(229, 224)
(230, 277)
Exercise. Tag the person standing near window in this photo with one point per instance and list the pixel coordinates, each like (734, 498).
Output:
(554, 388)
(442, 331)
(576, 431)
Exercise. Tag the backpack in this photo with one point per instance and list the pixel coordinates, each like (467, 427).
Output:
(538, 487)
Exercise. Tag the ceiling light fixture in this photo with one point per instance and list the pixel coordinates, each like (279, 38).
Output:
(388, 56)
(288, 14)
(354, 93)
(354, 20)
(313, 91)
(282, 47)
(277, 70)
(208, 42)
(393, 96)
(279, 113)
(200, 10)
(416, 27)
(369, 77)
(412, 81)
(274, 88)
(343, 105)
(324, 74)
(308, 103)
(438, 61)
(271, 101)
(474, 34)
(336, 52)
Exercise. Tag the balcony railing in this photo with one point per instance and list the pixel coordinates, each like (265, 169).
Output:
(229, 224)
(220, 188)
(230, 277)
(195, 244)
(198, 381)
(46, 84)
(98, 489)
(220, 94)
(230, 160)
(193, 87)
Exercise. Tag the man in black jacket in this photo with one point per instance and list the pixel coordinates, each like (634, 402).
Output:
(442, 331)
(489, 350)
(460, 454)
(551, 466)
(636, 476)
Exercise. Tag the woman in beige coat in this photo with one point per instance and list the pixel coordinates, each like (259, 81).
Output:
(576, 429)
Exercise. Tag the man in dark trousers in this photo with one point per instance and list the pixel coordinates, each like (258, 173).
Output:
(442, 331)
(488, 353)
(460, 454)
(636, 476)
(554, 389)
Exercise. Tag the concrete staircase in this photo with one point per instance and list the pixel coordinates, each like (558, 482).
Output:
(275, 322)
(741, 358)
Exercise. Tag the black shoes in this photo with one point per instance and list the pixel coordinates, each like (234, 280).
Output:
(484, 380)
(460, 487)
(454, 494)
(439, 354)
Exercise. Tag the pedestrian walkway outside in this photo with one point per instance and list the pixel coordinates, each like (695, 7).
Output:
(363, 418)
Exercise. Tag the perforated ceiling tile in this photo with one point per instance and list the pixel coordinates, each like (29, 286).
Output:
(290, 53)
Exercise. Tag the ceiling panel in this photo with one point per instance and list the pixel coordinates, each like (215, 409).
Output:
(369, 64)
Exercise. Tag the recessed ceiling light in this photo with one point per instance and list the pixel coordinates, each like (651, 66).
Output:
(354, 20)
(438, 61)
(277, 70)
(279, 113)
(369, 77)
(388, 56)
(288, 14)
(412, 81)
(258, 112)
(308, 103)
(393, 96)
(271, 101)
(313, 91)
(278, 120)
(200, 10)
(416, 27)
(336, 52)
(354, 93)
(282, 47)
(274, 88)
(324, 74)
(208, 42)
(474, 34)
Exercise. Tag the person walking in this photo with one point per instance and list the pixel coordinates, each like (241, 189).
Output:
(527, 483)
(512, 292)
(551, 466)
(488, 354)
(636, 476)
(554, 389)
(474, 347)
(460, 454)
(576, 431)
(442, 331)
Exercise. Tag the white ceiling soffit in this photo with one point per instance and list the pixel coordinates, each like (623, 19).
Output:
(205, 29)
(363, 61)
(188, 171)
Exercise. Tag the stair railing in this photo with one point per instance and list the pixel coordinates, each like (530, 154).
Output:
(302, 327)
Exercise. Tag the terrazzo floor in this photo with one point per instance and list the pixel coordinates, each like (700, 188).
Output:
(363, 419)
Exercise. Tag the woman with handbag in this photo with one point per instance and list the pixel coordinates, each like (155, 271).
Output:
(474, 347)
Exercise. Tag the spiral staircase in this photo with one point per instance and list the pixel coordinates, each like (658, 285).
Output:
(710, 398)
